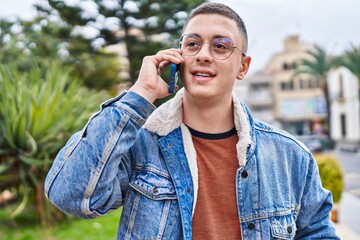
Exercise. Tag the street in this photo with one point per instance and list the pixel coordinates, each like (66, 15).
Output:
(349, 207)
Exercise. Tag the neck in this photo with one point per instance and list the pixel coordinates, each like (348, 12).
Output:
(209, 117)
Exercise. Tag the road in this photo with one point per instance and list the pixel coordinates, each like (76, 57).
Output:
(351, 166)
(349, 208)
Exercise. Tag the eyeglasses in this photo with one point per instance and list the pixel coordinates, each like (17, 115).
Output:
(220, 48)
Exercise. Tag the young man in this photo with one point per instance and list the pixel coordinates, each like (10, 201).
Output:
(199, 166)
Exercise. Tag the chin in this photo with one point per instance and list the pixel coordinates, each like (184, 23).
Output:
(200, 91)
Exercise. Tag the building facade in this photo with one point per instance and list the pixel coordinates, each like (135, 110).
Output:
(345, 111)
(299, 100)
(257, 91)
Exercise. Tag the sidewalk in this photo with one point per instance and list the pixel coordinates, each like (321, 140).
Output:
(348, 227)
(345, 232)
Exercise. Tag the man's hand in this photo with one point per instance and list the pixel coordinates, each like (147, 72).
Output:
(149, 84)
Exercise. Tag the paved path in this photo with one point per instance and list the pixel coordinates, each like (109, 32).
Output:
(348, 227)
(346, 233)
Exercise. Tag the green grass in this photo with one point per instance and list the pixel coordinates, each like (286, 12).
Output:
(75, 229)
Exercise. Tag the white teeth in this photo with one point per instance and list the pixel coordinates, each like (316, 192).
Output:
(202, 75)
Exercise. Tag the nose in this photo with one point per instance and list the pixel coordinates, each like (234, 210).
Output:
(204, 54)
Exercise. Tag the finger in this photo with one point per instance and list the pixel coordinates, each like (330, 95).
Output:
(170, 55)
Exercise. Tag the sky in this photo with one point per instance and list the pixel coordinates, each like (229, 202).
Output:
(333, 24)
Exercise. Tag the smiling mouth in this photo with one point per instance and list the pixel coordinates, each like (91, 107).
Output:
(205, 75)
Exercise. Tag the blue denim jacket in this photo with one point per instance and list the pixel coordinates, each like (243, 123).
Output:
(131, 155)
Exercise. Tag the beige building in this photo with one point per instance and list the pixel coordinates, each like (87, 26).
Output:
(257, 91)
(298, 100)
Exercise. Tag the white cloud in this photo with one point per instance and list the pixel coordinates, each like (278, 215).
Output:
(17, 8)
(330, 23)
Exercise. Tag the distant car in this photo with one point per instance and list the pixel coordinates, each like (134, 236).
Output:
(315, 142)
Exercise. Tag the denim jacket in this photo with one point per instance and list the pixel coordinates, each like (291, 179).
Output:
(131, 155)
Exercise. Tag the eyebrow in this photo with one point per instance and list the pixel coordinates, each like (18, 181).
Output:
(216, 36)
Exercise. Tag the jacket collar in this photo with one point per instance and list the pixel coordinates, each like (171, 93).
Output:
(169, 116)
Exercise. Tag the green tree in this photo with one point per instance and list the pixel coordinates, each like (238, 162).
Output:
(43, 39)
(318, 65)
(351, 60)
(15, 47)
(40, 110)
(134, 23)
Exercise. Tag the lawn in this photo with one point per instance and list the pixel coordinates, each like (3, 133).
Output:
(75, 229)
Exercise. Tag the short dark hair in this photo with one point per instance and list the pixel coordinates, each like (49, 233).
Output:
(223, 10)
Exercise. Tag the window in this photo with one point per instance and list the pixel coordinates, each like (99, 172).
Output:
(304, 83)
(343, 125)
(287, 86)
(341, 88)
(314, 83)
(285, 66)
(289, 66)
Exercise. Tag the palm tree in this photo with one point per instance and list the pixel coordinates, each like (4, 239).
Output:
(318, 65)
(351, 60)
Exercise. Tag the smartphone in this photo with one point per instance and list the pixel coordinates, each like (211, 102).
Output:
(173, 77)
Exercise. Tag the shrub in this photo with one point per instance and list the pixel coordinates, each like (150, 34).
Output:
(331, 175)
(39, 111)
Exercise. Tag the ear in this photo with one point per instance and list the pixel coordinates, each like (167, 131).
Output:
(245, 64)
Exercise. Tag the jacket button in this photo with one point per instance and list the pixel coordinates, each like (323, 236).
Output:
(289, 229)
(244, 174)
(251, 226)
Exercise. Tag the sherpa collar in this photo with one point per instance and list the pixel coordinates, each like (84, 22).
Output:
(169, 116)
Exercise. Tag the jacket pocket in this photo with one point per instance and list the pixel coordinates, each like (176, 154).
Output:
(283, 227)
(151, 208)
(153, 186)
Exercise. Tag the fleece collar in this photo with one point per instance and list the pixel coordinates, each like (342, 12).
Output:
(169, 116)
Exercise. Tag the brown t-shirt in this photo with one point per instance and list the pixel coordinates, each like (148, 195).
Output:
(216, 214)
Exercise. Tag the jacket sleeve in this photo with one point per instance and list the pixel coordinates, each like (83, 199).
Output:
(314, 217)
(90, 174)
